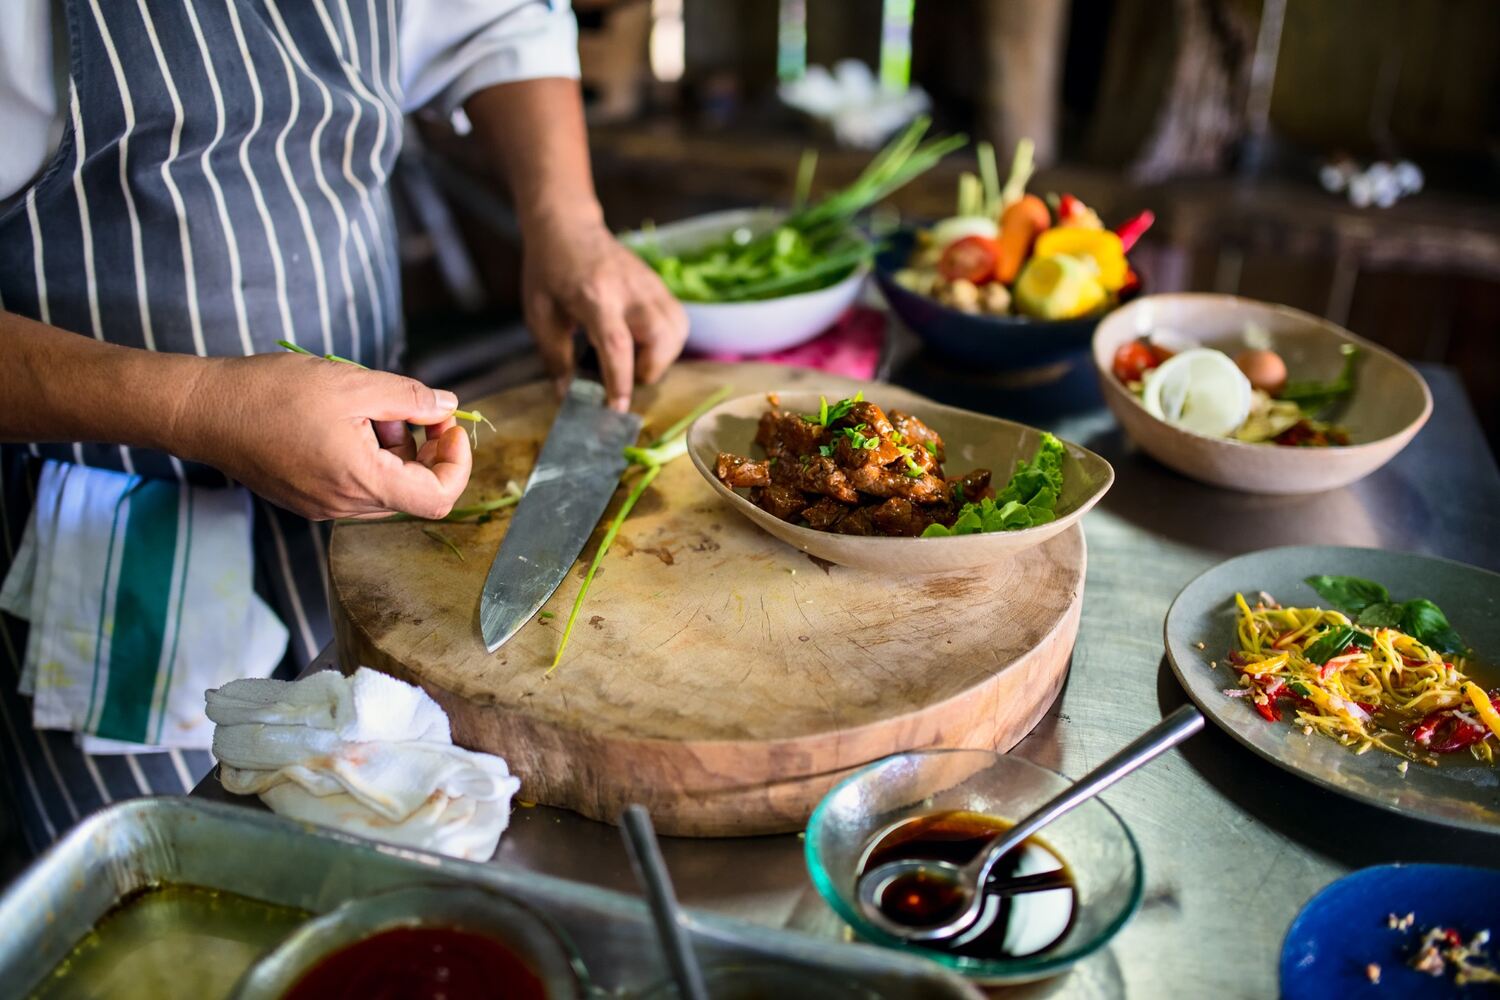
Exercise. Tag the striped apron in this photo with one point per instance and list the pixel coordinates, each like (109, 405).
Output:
(220, 185)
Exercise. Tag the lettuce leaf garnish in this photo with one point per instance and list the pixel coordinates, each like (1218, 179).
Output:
(1029, 499)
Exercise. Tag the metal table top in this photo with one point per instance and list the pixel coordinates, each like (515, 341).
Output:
(1233, 846)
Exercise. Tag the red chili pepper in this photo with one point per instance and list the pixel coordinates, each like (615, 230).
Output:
(1273, 689)
(970, 259)
(1444, 731)
(1451, 936)
(1131, 230)
(1369, 708)
(1068, 207)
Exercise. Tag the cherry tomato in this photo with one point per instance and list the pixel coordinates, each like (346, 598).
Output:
(1133, 360)
(971, 259)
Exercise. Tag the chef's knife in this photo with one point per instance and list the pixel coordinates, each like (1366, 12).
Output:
(575, 475)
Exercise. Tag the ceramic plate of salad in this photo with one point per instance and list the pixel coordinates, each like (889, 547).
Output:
(1374, 674)
(1253, 396)
(1015, 278)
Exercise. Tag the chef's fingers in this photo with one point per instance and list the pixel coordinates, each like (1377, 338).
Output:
(554, 339)
(430, 486)
(604, 322)
(395, 397)
(659, 329)
(434, 431)
(396, 438)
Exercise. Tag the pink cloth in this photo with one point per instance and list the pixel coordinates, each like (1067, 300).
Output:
(851, 347)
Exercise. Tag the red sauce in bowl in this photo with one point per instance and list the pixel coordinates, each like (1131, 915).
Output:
(421, 963)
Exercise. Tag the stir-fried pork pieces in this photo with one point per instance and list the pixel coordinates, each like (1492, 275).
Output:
(853, 469)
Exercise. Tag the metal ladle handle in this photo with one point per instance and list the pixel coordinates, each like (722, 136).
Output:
(1161, 737)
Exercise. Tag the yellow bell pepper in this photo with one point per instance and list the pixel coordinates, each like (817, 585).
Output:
(1100, 245)
(1483, 706)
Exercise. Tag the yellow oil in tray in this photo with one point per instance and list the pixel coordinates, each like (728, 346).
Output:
(169, 942)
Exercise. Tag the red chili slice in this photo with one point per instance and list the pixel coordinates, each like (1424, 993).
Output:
(1445, 731)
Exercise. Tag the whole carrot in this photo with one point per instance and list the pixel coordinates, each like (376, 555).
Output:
(1019, 226)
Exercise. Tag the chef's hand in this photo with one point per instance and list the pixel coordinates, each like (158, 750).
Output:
(577, 274)
(323, 439)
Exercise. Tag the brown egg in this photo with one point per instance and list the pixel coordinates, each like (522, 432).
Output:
(1265, 370)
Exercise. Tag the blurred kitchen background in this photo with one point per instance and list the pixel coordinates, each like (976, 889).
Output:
(1339, 156)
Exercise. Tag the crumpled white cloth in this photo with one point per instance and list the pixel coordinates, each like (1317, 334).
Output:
(367, 754)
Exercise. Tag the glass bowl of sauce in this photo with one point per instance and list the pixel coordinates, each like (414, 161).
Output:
(1051, 903)
(420, 943)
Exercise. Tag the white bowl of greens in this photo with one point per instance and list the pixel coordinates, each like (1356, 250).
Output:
(751, 325)
(760, 280)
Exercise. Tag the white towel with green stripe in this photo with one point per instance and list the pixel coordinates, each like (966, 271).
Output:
(140, 596)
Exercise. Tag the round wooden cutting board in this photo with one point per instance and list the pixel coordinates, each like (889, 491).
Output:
(716, 675)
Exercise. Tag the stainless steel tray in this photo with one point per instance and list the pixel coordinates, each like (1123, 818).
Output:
(147, 842)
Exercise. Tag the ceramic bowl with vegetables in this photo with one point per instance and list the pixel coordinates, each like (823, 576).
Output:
(889, 481)
(1253, 396)
(759, 280)
(1012, 280)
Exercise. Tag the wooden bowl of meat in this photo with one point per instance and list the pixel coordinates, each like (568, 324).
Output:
(918, 488)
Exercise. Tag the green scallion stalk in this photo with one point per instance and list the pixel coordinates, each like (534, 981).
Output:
(989, 173)
(682, 425)
(438, 536)
(670, 445)
(470, 416)
(609, 536)
(806, 167)
(454, 516)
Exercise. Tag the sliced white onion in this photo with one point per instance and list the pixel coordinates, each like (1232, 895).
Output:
(1201, 390)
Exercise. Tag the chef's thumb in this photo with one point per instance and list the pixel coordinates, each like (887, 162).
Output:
(395, 397)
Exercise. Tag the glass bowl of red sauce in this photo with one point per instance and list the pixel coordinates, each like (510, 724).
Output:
(421, 943)
(1048, 905)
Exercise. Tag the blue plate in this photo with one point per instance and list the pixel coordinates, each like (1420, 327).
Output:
(1343, 929)
(984, 343)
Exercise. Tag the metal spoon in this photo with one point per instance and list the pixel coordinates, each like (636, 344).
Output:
(967, 880)
(651, 870)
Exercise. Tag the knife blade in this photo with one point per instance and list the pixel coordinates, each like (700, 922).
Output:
(570, 487)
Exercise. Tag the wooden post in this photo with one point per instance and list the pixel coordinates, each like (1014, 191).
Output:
(1023, 44)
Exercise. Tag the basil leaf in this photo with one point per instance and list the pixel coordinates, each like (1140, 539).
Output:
(1425, 622)
(1348, 593)
(1329, 644)
(1381, 614)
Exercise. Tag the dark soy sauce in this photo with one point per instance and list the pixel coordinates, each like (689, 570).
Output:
(1029, 901)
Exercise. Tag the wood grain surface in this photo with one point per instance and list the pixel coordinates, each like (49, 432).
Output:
(717, 675)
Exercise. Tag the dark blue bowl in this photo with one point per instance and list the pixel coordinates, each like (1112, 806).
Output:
(1343, 929)
(987, 343)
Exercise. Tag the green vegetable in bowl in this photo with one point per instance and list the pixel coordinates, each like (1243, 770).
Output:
(1029, 499)
(812, 248)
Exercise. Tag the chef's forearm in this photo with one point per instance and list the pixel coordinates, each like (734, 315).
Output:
(534, 130)
(59, 386)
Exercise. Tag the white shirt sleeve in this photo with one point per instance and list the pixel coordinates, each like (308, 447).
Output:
(451, 49)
